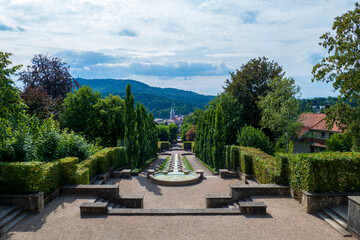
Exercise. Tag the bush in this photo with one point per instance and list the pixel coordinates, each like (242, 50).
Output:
(68, 169)
(325, 172)
(189, 145)
(255, 138)
(81, 176)
(163, 145)
(341, 142)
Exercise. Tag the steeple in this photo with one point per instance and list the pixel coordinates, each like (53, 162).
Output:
(172, 113)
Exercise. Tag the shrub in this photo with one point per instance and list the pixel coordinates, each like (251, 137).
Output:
(227, 156)
(163, 145)
(189, 145)
(81, 176)
(341, 142)
(68, 169)
(325, 172)
(255, 138)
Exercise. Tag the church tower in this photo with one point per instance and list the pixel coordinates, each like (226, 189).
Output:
(172, 113)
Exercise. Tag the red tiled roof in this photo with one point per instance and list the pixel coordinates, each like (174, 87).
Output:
(315, 121)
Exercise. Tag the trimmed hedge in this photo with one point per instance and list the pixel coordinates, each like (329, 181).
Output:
(189, 145)
(233, 157)
(324, 172)
(163, 145)
(31, 177)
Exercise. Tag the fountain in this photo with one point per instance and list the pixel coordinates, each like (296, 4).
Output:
(175, 174)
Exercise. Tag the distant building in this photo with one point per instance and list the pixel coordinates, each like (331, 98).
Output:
(172, 113)
(313, 134)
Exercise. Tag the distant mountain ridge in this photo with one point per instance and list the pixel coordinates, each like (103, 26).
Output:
(156, 100)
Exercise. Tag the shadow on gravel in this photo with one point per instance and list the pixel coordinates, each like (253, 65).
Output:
(258, 216)
(150, 187)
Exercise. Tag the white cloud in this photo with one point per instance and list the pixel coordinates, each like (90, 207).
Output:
(160, 32)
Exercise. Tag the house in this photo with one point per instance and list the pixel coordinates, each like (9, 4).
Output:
(313, 133)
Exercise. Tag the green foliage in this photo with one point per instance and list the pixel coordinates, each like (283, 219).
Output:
(32, 140)
(252, 137)
(164, 164)
(68, 168)
(187, 164)
(341, 142)
(250, 82)
(173, 130)
(193, 118)
(131, 132)
(342, 68)
(325, 172)
(184, 129)
(163, 145)
(233, 115)
(163, 133)
(79, 111)
(11, 106)
(210, 138)
(280, 108)
(189, 145)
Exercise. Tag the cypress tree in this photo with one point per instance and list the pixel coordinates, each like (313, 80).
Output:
(218, 138)
(131, 133)
(141, 135)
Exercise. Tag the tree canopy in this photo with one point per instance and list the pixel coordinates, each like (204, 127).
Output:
(342, 68)
(251, 81)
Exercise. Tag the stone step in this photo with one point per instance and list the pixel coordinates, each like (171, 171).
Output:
(98, 182)
(111, 205)
(174, 211)
(231, 205)
(335, 217)
(116, 206)
(99, 200)
(6, 210)
(105, 201)
(251, 181)
(252, 207)
(341, 211)
(13, 222)
(224, 206)
(248, 199)
(335, 225)
(10, 217)
(236, 204)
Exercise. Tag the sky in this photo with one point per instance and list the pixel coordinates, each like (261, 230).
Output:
(185, 44)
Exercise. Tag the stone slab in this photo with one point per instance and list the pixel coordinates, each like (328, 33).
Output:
(93, 208)
(353, 224)
(132, 201)
(126, 173)
(176, 211)
(217, 200)
(110, 192)
(252, 207)
(33, 202)
(242, 191)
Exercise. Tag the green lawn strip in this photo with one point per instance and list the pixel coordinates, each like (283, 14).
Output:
(147, 163)
(187, 164)
(164, 164)
(207, 166)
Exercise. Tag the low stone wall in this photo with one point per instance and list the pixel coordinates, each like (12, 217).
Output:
(242, 191)
(312, 202)
(244, 176)
(110, 192)
(90, 208)
(353, 224)
(225, 173)
(132, 201)
(31, 202)
(217, 200)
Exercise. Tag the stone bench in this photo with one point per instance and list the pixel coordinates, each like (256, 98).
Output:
(93, 208)
(225, 173)
(252, 207)
(126, 173)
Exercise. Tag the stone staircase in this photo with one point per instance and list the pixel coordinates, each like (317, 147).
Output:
(337, 217)
(9, 217)
(247, 206)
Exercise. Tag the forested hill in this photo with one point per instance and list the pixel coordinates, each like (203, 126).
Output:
(156, 100)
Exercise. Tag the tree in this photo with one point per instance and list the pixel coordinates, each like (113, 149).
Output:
(218, 148)
(184, 129)
(163, 132)
(280, 108)
(141, 127)
(79, 111)
(250, 82)
(131, 131)
(191, 133)
(193, 118)
(11, 105)
(255, 138)
(233, 115)
(339, 142)
(50, 74)
(39, 103)
(173, 129)
(342, 68)
(109, 121)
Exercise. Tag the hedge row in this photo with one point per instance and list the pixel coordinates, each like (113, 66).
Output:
(188, 145)
(324, 172)
(265, 168)
(163, 145)
(31, 177)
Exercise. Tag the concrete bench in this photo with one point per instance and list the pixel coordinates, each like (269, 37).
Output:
(252, 207)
